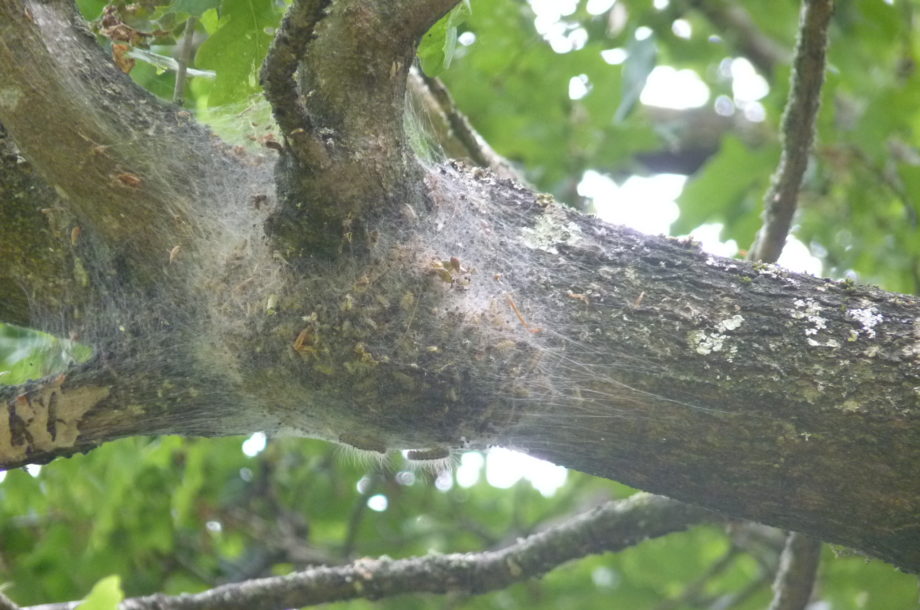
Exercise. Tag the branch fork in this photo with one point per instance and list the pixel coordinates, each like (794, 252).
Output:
(335, 77)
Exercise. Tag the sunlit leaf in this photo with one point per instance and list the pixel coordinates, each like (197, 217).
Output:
(106, 595)
(29, 354)
(235, 51)
(439, 44)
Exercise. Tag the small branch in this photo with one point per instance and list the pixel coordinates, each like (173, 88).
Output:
(764, 52)
(736, 599)
(798, 129)
(691, 593)
(6, 603)
(889, 179)
(477, 149)
(278, 70)
(611, 527)
(184, 58)
(795, 578)
(357, 515)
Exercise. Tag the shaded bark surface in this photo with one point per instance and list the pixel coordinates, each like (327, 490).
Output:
(470, 312)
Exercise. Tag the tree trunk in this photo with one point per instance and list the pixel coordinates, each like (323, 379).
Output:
(447, 310)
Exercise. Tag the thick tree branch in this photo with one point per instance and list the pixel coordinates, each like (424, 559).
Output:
(127, 166)
(772, 396)
(297, 30)
(445, 308)
(795, 577)
(798, 129)
(116, 395)
(795, 362)
(347, 153)
(38, 269)
(608, 528)
(694, 135)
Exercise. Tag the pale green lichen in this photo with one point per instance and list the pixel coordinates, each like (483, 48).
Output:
(9, 97)
(732, 323)
(868, 318)
(707, 343)
(550, 230)
(850, 406)
(810, 311)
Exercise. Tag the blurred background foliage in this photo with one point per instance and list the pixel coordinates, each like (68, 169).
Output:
(559, 88)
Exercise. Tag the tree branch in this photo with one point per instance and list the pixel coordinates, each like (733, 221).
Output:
(117, 394)
(690, 596)
(128, 166)
(798, 129)
(347, 154)
(611, 527)
(418, 15)
(281, 90)
(437, 100)
(795, 577)
(6, 603)
(38, 237)
(732, 19)
(184, 58)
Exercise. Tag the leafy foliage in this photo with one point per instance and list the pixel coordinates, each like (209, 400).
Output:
(27, 354)
(106, 595)
(235, 47)
(439, 45)
(177, 515)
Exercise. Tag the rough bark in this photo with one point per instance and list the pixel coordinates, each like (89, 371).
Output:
(466, 312)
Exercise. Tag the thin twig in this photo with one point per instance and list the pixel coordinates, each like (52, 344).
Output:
(736, 599)
(357, 515)
(798, 130)
(610, 527)
(475, 145)
(184, 58)
(6, 603)
(795, 577)
(691, 593)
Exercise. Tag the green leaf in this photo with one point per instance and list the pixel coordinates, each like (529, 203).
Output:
(29, 354)
(642, 58)
(106, 595)
(439, 44)
(194, 7)
(91, 8)
(236, 50)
